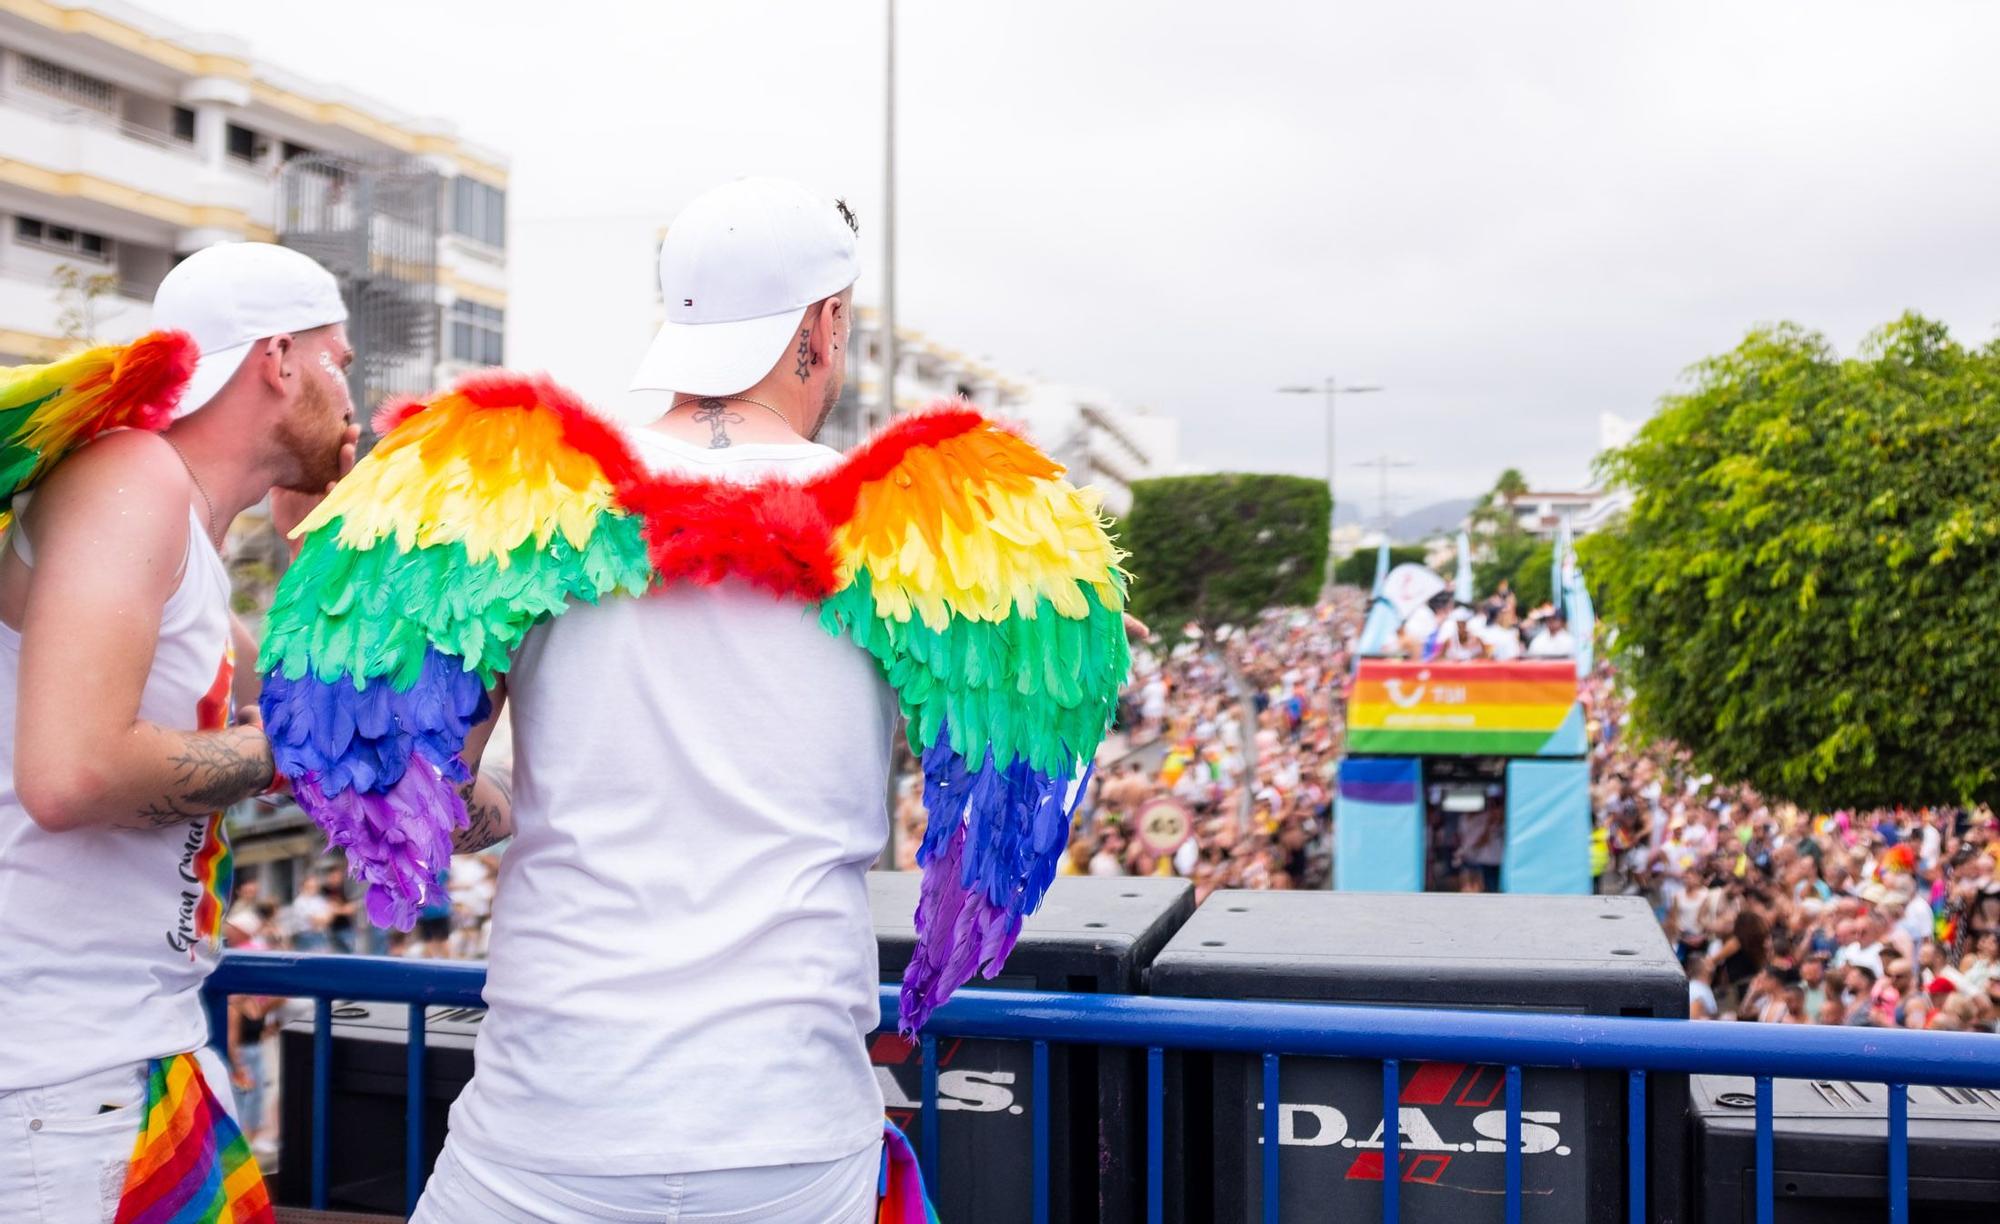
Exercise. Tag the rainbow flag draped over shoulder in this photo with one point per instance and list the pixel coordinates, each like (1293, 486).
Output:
(950, 549)
(191, 1164)
(47, 411)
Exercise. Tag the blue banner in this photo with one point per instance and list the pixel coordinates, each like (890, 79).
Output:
(1548, 828)
(1378, 825)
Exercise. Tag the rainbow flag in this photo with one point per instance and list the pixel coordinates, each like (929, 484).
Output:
(191, 1164)
(214, 872)
(1527, 708)
(902, 1186)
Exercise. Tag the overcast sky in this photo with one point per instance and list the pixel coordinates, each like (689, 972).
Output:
(1512, 216)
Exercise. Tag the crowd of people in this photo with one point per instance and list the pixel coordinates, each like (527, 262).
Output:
(1221, 771)
(1886, 919)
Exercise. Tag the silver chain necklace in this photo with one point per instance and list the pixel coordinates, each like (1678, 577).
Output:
(206, 500)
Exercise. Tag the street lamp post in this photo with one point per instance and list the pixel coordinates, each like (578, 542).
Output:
(1332, 390)
(886, 409)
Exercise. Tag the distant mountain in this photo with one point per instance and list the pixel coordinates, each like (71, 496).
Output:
(1427, 521)
(1414, 527)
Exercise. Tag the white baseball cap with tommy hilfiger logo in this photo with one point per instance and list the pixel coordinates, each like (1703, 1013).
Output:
(738, 268)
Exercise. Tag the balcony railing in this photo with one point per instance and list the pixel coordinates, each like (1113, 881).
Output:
(67, 112)
(1273, 1031)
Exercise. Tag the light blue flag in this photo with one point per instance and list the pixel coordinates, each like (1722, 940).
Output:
(1462, 588)
(1556, 564)
(1380, 628)
(1582, 620)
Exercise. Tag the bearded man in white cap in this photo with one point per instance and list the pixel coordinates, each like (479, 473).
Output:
(118, 749)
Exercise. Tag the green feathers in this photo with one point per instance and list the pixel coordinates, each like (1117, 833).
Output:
(1041, 688)
(372, 612)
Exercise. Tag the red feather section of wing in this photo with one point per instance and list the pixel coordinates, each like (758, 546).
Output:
(878, 457)
(772, 535)
(146, 382)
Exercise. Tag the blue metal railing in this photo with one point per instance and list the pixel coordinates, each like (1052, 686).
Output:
(1272, 1031)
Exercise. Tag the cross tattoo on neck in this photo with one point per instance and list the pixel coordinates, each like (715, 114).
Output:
(716, 415)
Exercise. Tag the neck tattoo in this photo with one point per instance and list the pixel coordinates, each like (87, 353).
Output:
(712, 414)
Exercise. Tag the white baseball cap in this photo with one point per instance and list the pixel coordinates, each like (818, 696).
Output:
(233, 294)
(739, 266)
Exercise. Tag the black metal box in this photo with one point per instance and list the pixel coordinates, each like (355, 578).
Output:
(1830, 1152)
(1602, 956)
(366, 1111)
(1092, 935)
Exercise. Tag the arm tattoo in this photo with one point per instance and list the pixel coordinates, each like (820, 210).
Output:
(486, 823)
(805, 351)
(716, 416)
(211, 771)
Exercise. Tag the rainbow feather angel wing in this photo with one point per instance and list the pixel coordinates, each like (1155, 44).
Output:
(989, 591)
(46, 411)
(478, 516)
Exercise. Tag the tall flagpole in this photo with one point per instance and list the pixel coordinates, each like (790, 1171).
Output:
(886, 406)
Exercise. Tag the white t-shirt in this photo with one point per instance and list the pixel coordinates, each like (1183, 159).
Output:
(1552, 644)
(682, 969)
(106, 935)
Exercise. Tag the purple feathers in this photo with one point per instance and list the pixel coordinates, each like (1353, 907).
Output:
(396, 842)
(378, 769)
(990, 852)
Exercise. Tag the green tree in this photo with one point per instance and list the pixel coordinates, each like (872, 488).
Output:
(1494, 515)
(1222, 548)
(1803, 587)
(1524, 562)
(1358, 569)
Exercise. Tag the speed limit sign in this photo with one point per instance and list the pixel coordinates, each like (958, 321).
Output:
(1163, 826)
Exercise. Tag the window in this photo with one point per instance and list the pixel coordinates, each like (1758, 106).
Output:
(73, 87)
(184, 124)
(291, 150)
(478, 211)
(243, 144)
(476, 332)
(64, 240)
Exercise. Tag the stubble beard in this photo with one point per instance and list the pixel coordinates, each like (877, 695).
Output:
(311, 437)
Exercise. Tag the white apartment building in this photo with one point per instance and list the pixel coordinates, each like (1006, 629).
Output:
(1101, 442)
(1543, 514)
(128, 142)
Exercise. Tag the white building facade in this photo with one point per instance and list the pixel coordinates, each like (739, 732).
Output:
(128, 142)
(1103, 443)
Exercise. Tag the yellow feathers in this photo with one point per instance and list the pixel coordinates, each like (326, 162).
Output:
(981, 525)
(487, 477)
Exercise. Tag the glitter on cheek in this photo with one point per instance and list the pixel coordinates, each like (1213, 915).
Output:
(326, 363)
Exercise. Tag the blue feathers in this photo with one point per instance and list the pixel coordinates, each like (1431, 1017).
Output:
(363, 739)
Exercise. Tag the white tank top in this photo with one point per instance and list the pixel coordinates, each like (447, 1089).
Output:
(106, 935)
(682, 970)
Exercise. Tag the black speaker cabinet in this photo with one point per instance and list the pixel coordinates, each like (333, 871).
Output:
(1092, 935)
(1830, 1152)
(1601, 956)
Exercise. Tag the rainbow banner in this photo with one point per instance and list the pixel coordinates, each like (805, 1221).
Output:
(1519, 709)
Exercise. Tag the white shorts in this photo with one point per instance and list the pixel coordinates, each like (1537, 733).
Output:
(467, 1189)
(64, 1148)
